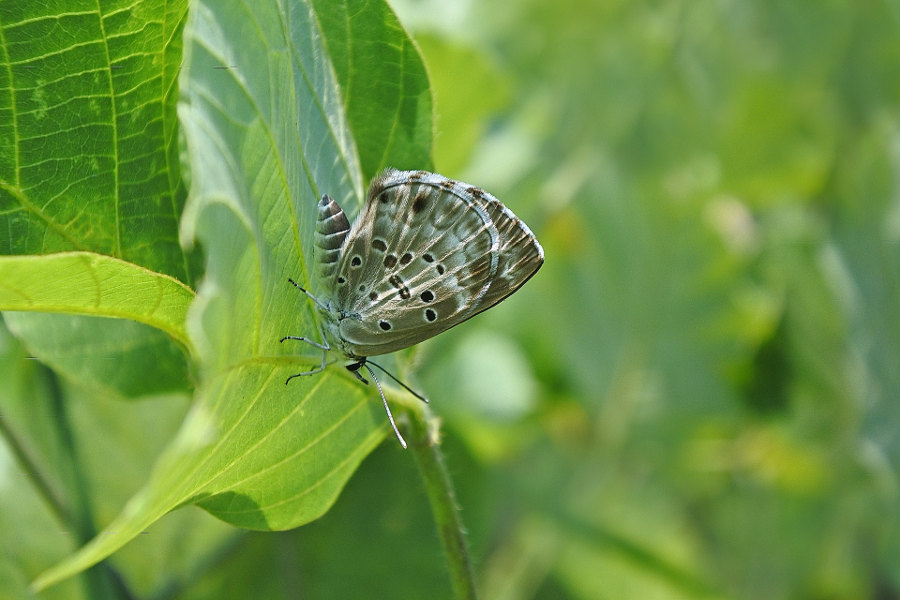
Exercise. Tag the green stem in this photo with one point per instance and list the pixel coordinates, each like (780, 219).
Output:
(100, 581)
(443, 503)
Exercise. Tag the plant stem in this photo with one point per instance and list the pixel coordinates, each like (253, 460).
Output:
(443, 504)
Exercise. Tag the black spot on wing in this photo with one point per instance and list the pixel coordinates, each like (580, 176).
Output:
(398, 283)
(420, 203)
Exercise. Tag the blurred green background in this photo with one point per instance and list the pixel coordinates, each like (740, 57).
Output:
(698, 393)
(696, 396)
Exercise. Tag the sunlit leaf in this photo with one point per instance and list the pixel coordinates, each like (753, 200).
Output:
(262, 145)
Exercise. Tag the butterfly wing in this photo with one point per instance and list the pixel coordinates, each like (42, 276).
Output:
(426, 254)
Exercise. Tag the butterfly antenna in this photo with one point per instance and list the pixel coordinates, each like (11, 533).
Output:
(384, 401)
(405, 387)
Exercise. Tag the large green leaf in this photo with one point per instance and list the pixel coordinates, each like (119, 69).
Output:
(89, 162)
(383, 84)
(85, 283)
(88, 127)
(266, 134)
(95, 285)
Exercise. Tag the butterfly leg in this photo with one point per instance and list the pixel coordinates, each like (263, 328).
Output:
(318, 302)
(312, 343)
(324, 347)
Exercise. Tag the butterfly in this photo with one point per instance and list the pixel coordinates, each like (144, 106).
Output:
(425, 253)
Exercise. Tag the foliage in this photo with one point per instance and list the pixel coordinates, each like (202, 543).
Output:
(261, 145)
(714, 334)
(695, 397)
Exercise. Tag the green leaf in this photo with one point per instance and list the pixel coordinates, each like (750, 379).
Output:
(87, 120)
(89, 162)
(92, 284)
(105, 354)
(266, 134)
(383, 82)
(126, 359)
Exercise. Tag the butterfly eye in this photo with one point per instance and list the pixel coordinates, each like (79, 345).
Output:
(427, 296)
(430, 315)
(384, 325)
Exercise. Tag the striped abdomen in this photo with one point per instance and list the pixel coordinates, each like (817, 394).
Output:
(331, 231)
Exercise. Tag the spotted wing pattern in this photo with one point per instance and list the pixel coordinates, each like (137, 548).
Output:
(425, 254)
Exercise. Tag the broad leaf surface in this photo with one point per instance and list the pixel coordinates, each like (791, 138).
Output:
(383, 84)
(88, 124)
(89, 162)
(266, 134)
(94, 285)
(84, 283)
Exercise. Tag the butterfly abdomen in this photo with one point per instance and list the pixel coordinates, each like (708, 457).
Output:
(331, 231)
